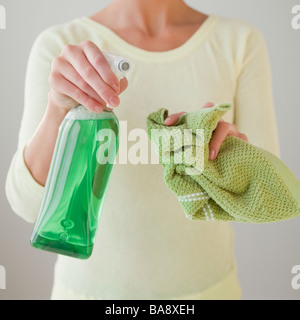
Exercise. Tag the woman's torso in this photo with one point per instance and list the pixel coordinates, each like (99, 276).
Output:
(146, 248)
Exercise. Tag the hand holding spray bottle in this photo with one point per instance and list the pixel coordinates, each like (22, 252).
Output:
(83, 158)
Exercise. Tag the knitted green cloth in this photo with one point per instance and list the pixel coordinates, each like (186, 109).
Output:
(244, 183)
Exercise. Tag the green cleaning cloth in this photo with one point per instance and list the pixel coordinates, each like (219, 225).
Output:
(243, 184)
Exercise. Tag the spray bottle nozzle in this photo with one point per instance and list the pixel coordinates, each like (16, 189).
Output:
(119, 65)
(124, 66)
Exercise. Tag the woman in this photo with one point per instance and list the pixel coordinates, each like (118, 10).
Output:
(145, 248)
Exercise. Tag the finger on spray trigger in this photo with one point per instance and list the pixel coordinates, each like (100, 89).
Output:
(119, 66)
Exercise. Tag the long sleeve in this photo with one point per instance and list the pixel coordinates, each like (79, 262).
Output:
(201, 253)
(23, 192)
(255, 114)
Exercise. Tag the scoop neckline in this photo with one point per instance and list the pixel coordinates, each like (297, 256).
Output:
(189, 45)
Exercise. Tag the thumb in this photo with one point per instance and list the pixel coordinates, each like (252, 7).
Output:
(173, 118)
(208, 105)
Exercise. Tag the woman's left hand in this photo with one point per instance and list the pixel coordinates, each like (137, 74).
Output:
(222, 130)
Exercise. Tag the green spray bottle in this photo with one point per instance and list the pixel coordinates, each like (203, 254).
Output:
(75, 190)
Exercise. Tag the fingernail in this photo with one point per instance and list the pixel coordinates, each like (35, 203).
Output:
(98, 109)
(167, 121)
(212, 154)
(114, 101)
(116, 88)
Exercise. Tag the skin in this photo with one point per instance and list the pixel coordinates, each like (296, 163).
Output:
(81, 75)
(222, 130)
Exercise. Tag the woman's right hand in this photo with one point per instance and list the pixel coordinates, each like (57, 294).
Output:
(82, 75)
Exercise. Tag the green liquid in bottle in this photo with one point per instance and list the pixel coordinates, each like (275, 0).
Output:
(77, 183)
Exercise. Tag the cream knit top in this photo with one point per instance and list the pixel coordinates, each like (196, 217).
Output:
(146, 248)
